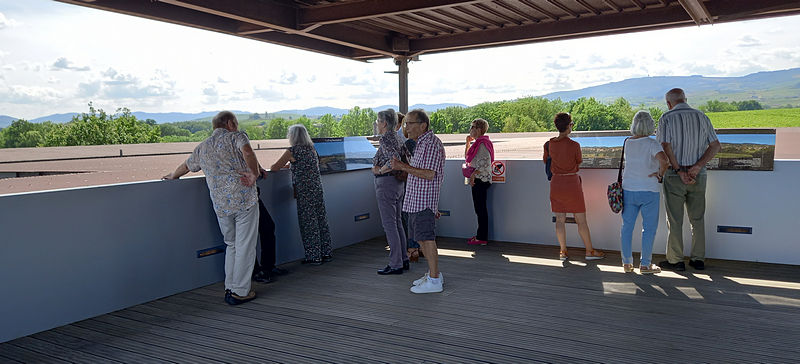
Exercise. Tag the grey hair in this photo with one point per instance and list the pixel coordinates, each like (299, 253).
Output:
(298, 135)
(642, 124)
(390, 117)
(676, 96)
(222, 118)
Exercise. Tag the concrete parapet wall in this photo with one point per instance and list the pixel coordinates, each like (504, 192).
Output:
(520, 211)
(68, 255)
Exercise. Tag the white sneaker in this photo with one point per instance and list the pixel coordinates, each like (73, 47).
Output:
(425, 278)
(428, 286)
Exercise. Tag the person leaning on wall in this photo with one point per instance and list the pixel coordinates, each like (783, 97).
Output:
(231, 169)
(566, 192)
(307, 183)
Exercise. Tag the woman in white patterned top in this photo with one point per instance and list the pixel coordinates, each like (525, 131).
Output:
(479, 155)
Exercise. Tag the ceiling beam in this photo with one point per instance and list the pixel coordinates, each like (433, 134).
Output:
(697, 10)
(732, 10)
(283, 18)
(519, 12)
(652, 18)
(613, 5)
(352, 11)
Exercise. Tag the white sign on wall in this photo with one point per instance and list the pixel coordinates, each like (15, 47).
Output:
(499, 172)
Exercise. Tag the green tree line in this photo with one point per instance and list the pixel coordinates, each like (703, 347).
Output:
(721, 106)
(529, 114)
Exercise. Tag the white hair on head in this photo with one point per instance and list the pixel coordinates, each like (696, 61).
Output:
(298, 135)
(390, 117)
(676, 96)
(643, 124)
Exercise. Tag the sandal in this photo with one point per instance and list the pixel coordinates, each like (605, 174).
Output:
(413, 255)
(595, 255)
(562, 255)
(628, 268)
(649, 269)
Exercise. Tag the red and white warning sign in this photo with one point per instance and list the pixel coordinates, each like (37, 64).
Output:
(499, 172)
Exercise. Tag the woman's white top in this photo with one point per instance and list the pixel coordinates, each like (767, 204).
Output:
(640, 161)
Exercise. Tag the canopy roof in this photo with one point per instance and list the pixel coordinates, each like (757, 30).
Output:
(371, 29)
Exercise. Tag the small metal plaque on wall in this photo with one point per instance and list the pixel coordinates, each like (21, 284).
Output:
(211, 251)
(734, 229)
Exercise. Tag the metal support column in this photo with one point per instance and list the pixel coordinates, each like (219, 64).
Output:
(402, 73)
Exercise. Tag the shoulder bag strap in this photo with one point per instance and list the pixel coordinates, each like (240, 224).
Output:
(621, 161)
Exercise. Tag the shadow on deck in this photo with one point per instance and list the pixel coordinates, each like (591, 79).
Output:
(505, 302)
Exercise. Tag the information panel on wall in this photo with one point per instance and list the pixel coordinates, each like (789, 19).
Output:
(742, 149)
(344, 154)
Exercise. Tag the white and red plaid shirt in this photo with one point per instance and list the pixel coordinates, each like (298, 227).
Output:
(421, 193)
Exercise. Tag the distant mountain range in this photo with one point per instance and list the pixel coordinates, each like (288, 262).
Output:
(773, 89)
(319, 111)
(177, 116)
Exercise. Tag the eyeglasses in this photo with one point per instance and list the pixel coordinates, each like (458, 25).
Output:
(405, 123)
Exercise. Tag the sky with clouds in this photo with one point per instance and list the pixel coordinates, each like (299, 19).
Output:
(55, 58)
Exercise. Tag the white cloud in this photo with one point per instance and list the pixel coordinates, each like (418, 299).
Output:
(89, 89)
(355, 80)
(6, 22)
(286, 78)
(269, 94)
(748, 41)
(123, 88)
(620, 63)
(559, 65)
(64, 64)
(32, 66)
(211, 95)
(221, 80)
(17, 94)
(9, 67)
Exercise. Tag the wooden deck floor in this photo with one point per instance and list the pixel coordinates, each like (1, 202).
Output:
(503, 303)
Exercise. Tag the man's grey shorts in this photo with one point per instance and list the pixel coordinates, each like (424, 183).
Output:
(422, 225)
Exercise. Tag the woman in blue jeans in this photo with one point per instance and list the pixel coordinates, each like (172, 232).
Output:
(645, 165)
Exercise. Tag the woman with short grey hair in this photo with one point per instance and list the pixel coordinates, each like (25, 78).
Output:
(389, 190)
(304, 164)
(645, 165)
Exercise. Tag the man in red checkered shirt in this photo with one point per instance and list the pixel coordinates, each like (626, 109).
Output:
(422, 195)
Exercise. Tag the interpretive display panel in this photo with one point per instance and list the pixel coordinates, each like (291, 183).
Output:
(344, 154)
(742, 149)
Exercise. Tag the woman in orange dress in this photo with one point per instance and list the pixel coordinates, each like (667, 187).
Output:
(566, 193)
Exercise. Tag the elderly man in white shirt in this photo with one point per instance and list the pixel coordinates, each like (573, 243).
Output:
(689, 141)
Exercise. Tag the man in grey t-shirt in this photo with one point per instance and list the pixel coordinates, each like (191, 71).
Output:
(689, 141)
(231, 169)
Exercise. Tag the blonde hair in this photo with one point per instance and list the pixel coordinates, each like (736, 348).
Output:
(482, 124)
